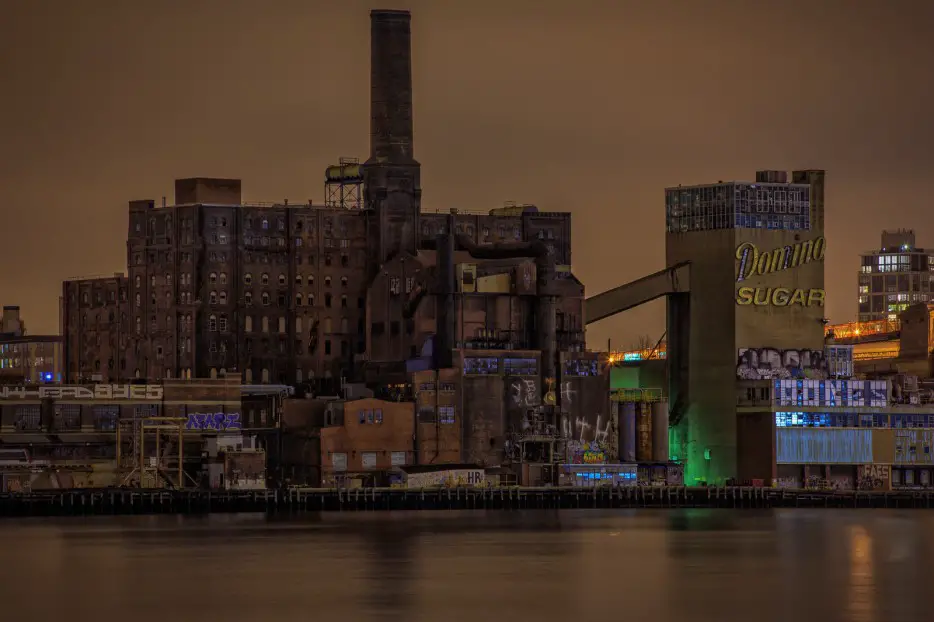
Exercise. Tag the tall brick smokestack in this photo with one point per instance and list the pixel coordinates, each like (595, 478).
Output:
(391, 87)
(392, 188)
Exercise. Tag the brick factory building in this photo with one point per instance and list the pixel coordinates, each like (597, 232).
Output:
(302, 293)
(366, 288)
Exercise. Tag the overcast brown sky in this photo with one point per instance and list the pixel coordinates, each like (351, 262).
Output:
(588, 106)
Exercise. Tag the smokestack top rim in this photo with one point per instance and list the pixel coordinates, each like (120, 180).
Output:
(390, 13)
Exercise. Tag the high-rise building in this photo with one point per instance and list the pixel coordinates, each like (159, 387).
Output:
(894, 276)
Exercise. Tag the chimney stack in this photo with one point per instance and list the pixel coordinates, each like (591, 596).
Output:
(391, 87)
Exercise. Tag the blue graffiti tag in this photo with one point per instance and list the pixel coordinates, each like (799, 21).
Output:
(213, 421)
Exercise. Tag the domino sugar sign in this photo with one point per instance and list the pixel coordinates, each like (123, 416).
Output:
(215, 422)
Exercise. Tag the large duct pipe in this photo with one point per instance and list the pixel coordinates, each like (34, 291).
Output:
(391, 87)
(446, 315)
(545, 317)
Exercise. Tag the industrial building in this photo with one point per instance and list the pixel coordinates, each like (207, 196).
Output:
(893, 277)
(171, 434)
(309, 294)
(475, 319)
(25, 358)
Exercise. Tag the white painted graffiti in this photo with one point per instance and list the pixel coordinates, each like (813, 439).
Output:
(523, 392)
(141, 392)
(568, 393)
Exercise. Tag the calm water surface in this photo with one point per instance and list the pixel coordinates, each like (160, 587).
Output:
(658, 566)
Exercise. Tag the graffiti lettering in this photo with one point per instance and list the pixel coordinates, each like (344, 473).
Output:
(568, 393)
(213, 421)
(775, 364)
(523, 392)
(141, 392)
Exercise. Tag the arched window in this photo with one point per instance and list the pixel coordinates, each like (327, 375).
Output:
(343, 281)
(327, 281)
(311, 300)
(298, 279)
(327, 300)
(298, 374)
(298, 300)
(298, 325)
(139, 326)
(281, 324)
(264, 279)
(265, 299)
(213, 298)
(248, 278)
(223, 278)
(281, 279)
(248, 297)
(249, 376)
(265, 376)
(213, 372)
(248, 323)
(264, 223)
(311, 279)
(223, 298)
(344, 325)
(139, 301)
(327, 325)
(213, 277)
(138, 280)
(265, 324)
(212, 323)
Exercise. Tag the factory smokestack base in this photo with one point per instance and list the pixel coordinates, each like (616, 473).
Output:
(391, 87)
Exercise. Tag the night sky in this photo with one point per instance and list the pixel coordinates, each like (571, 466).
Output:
(592, 107)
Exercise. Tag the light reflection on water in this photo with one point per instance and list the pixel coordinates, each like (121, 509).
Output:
(697, 565)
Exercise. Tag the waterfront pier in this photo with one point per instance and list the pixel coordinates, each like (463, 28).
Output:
(297, 501)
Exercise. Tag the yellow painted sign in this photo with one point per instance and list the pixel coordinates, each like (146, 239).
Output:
(779, 297)
(751, 261)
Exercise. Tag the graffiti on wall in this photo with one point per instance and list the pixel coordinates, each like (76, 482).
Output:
(523, 392)
(453, 478)
(141, 392)
(589, 443)
(568, 394)
(775, 364)
(588, 453)
(213, 421)
(873, 476)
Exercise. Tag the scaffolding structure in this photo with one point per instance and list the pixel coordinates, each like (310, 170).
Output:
(148, 464)
(343, 184)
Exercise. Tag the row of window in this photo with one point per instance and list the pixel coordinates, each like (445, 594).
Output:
(264, 279)
(852, 420)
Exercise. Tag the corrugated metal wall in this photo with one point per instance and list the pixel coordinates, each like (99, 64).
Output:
(821, 446)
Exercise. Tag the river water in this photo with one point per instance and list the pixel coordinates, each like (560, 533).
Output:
(638, 565)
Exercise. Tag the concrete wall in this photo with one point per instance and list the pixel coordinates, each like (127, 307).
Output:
(584, 400)
(709, 422)
(781, 327)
